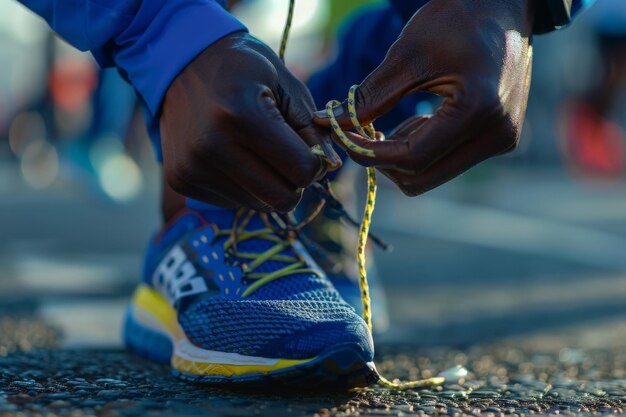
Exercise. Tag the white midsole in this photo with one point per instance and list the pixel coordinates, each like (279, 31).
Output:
(186, 350)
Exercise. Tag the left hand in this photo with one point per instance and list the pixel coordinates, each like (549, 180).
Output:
(477, 55)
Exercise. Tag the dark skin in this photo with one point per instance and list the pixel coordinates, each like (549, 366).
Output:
(478, 56)
(237, 127)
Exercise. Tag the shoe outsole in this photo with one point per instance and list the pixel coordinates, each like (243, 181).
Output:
(340, 367)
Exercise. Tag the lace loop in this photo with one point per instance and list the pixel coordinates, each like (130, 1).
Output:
(282, 238)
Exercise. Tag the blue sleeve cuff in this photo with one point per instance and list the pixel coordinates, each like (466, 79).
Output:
(151, 57)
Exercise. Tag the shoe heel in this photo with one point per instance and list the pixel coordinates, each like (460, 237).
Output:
(144, 340)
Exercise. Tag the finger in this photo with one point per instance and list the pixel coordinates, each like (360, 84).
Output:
(315, 135)
(405, 128)
(454, 164)
(297, 106)
(218, 200)
(387, 152)
(271, 138)
(222, 191)
(380, 91)
(454, 123)
(373, 98)
(390, 151)
(260, 180)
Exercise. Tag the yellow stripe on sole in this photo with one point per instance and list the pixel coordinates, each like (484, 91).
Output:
(217, 369)
(153, 304)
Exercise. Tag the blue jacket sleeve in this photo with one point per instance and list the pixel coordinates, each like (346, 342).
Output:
(150, 41)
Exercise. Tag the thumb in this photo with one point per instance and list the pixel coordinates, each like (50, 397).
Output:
(375, 96)
(387, 152)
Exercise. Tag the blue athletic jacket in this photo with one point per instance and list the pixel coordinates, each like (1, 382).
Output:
(151, 41)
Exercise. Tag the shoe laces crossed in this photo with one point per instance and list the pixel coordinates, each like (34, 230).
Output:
(279, 230)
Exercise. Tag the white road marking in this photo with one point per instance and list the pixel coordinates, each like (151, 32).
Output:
(498, 229)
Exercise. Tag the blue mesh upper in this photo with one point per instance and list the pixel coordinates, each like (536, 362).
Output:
(293, 317)
(286, 329)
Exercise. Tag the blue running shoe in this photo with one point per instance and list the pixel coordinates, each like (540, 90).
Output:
(233, 297)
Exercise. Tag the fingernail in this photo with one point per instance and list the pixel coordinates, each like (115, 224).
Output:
(321, 114)
(330, 153)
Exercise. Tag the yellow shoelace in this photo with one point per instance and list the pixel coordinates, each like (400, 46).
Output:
(269, 233)
(370, 133)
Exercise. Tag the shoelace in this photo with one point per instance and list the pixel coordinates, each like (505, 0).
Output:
(280, 235)
(370, 133)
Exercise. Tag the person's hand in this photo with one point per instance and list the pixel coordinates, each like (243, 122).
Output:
(236, 129)
(476, 54)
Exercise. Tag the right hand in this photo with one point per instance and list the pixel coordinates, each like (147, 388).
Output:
(236, 129)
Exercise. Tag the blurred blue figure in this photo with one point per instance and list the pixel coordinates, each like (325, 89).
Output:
(114, 103)
(594, 144)
(101, 144)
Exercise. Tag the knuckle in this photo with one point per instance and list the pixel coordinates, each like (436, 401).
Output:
(368, 93)
(177, 185)
(182, 173)
(176, 181)
(364, 94)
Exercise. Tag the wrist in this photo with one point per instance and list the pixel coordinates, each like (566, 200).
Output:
(154, 53)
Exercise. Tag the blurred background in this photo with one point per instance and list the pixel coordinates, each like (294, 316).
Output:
(529, 246)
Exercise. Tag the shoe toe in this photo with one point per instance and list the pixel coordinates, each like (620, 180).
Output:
(349, 333)
(284, 329)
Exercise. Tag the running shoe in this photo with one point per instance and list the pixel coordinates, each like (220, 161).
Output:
(233, 297)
